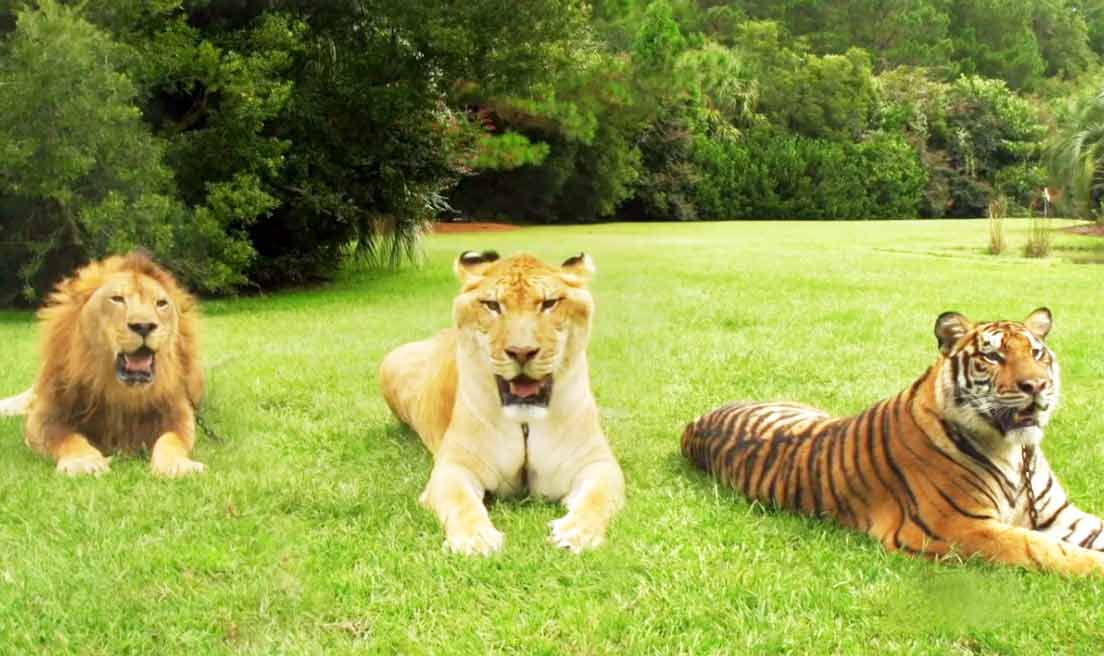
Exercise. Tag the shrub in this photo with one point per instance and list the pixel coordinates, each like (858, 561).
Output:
(998, 208)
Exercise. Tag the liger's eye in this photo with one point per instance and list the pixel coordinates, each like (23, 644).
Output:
(493, 306)
(549, 303)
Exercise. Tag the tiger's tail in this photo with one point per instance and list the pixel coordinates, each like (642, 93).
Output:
(16, 405)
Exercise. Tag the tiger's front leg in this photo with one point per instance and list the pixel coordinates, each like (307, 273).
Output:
(597, 493)
(1074, 526)
(1002, 543)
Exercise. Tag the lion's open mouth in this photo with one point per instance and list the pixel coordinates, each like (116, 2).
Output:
(524, 390)
(136, 368)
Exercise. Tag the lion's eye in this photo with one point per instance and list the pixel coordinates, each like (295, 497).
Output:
(162, 304)
(493, 306)
(1038, 353)
(118, 299)
(549, 303)
(993, 357)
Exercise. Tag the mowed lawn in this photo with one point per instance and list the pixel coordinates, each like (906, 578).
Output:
(305, 536)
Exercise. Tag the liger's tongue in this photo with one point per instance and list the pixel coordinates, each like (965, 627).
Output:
(525, 387)
(138, 361)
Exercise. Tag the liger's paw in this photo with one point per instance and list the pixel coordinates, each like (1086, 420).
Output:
(577, 532)
(176, 467)
(84, 464)
(478, 541)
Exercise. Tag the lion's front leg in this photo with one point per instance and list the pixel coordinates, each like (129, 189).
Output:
(455, 494)
(170, 457)
(597, 493)
(76, 456)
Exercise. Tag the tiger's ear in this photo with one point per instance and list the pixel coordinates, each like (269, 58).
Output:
(580, 266)
(1039, 322)
(949, 328)
(471, 264)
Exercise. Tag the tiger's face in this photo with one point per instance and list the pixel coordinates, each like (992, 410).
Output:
(527, 322)
(1000, 378)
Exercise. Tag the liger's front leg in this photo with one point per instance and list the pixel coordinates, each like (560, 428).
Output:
(455, 494)
(597, 493)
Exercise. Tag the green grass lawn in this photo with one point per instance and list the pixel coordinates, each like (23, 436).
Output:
(305, 535)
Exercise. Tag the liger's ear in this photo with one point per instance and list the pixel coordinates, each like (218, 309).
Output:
(949, 328)
(581, 266)
(1039, 322)
(471, 264)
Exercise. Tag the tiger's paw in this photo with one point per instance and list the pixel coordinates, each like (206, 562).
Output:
(481, 540)
(83, 464)
(577, 532)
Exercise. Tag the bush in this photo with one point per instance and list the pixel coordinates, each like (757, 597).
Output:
(82, 176)
(777, 176)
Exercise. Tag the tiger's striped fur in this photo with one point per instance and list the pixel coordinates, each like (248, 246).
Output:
(951, 464)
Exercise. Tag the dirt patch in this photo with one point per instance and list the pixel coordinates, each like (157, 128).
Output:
(1093, 229)
(472, 226)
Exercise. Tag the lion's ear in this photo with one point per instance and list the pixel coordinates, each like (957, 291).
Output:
(471, 264)
(581, 266)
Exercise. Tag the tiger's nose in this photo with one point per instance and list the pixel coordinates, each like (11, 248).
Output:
(143, 329)
(522, 354)
(1032, 386)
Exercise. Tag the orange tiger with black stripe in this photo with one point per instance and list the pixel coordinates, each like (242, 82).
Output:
(951, 464)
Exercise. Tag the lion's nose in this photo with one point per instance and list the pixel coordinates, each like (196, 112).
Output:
(1032, 386)
(521, 354)
(143, 329)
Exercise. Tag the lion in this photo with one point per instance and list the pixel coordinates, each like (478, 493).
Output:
(503, 402)
(120, 370)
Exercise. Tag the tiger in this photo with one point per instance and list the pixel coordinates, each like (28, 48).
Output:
(952, 465)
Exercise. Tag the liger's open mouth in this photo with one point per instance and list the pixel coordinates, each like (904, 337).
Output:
(136, 368)
(524, 390)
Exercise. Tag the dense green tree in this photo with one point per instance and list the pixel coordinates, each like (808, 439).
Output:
(1077, 156)
(81, 175)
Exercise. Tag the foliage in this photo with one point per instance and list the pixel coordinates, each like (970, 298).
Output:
(771, 176)
(1077, 155)
(82, 177)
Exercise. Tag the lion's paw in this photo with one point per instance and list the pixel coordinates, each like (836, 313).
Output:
(177, 468)
(85, 464)
(577, 532)
(480, 541)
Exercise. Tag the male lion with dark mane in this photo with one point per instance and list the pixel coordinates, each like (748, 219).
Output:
(503, 402)
(120, 370)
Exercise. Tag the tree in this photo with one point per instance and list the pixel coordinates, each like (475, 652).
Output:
(81, 175)
(1076, 157)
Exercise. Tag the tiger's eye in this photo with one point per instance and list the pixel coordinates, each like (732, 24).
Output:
(993, 357)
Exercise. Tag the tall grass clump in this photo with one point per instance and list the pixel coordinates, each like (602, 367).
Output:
(1039, 237)
(998, 209)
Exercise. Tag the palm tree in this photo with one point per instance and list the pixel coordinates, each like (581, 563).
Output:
(1077, 157)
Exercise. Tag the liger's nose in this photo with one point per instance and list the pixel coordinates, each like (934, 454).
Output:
(143, 329)
(521, 354)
